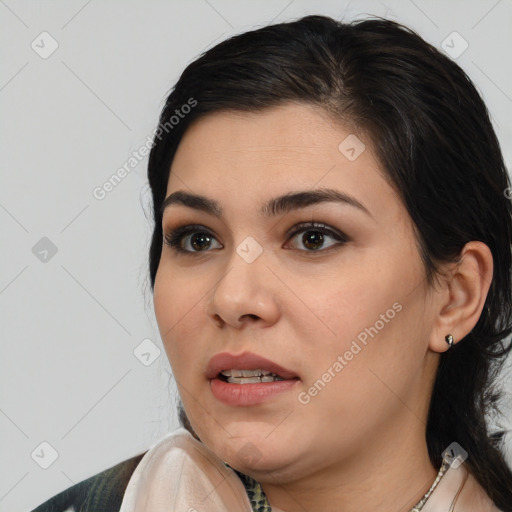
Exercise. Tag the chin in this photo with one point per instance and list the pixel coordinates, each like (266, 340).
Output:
(277, 468)
(258, 455)
(251, 445)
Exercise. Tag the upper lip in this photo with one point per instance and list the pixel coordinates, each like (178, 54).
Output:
(244, 361)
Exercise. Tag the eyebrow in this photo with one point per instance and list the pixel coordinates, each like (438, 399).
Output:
(276, 206)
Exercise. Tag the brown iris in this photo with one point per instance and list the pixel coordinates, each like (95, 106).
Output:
(200, 241)
(313, 239)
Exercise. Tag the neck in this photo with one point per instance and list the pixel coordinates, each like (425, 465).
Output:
(390, 474)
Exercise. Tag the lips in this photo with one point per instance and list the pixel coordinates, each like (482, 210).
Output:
(245, 361)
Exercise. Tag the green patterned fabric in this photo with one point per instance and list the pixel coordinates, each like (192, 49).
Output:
(257, 498)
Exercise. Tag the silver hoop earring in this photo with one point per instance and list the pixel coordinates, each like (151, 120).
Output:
(449, 339)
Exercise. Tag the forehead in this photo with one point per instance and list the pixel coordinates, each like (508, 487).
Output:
(289, 129)
(247, 157)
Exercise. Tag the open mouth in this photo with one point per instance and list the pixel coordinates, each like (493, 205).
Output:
(261, 379)
(248, 376)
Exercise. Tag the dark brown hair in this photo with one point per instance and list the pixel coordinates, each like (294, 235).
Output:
(432, 134)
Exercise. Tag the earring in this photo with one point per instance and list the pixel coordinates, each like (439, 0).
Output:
(449, 339)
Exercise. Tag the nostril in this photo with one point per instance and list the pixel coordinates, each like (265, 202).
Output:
(218, 320)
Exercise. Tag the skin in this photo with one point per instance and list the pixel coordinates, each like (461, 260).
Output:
(359, 444)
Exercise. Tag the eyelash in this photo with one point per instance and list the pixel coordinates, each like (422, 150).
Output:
(173, 238)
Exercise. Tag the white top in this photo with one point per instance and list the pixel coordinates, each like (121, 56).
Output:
(180, 474)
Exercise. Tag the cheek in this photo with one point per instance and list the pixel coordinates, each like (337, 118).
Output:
(380, 363)
(339, 314)
(164, 304)
(175, 306)
(358, 327)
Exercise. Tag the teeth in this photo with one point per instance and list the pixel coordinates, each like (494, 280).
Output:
(250, 376)
(245, 373)
(242, 380)
(253, 380)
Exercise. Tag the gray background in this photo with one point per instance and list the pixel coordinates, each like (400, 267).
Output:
(72, 320)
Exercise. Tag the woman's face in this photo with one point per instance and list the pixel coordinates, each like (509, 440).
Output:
(328, 285)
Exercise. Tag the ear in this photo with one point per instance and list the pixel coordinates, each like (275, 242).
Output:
(461, 298)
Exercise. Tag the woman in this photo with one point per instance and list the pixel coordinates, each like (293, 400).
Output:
(330, 264)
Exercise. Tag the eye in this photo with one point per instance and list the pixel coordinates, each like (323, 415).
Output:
(191, 239)
(315, 235)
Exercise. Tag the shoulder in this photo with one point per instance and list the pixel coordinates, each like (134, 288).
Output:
(101, 492)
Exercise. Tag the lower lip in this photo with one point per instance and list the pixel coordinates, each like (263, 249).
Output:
(249, 394)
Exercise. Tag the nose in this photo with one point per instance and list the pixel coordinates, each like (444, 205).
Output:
(244, 295)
